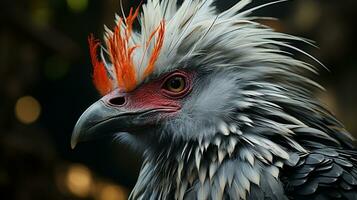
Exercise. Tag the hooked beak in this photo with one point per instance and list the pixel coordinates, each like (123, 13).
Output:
(119, 112)
(103, 119)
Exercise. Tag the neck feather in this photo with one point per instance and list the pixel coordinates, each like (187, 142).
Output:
(222, 165)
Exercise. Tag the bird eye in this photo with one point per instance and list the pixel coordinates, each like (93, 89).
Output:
(175, 84)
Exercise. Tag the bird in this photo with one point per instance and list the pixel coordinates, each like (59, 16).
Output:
(218, 105)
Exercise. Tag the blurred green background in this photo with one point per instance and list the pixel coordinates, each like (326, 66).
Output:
(45, 75)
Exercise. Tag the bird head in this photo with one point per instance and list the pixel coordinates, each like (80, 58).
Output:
(189, 74)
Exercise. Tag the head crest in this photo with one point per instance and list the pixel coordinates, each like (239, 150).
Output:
(120, 49)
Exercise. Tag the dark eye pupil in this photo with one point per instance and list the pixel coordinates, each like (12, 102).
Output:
(176, 83)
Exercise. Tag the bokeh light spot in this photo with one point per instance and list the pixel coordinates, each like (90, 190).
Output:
(77, 5)
(27, 109)
(79, 180)
(112, 192)
(41, 13)
(307, 15)
(56, 68)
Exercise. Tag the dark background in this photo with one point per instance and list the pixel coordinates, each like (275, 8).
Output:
(45, 75)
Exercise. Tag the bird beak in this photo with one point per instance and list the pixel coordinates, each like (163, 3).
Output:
(103, 119)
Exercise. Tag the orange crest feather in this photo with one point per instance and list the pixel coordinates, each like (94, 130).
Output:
(157, 48)
(100, 76)
(120, 54)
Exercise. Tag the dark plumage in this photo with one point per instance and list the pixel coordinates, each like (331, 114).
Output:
(218, 108)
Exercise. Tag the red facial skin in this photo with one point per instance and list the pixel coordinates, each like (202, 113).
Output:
(154, 95)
